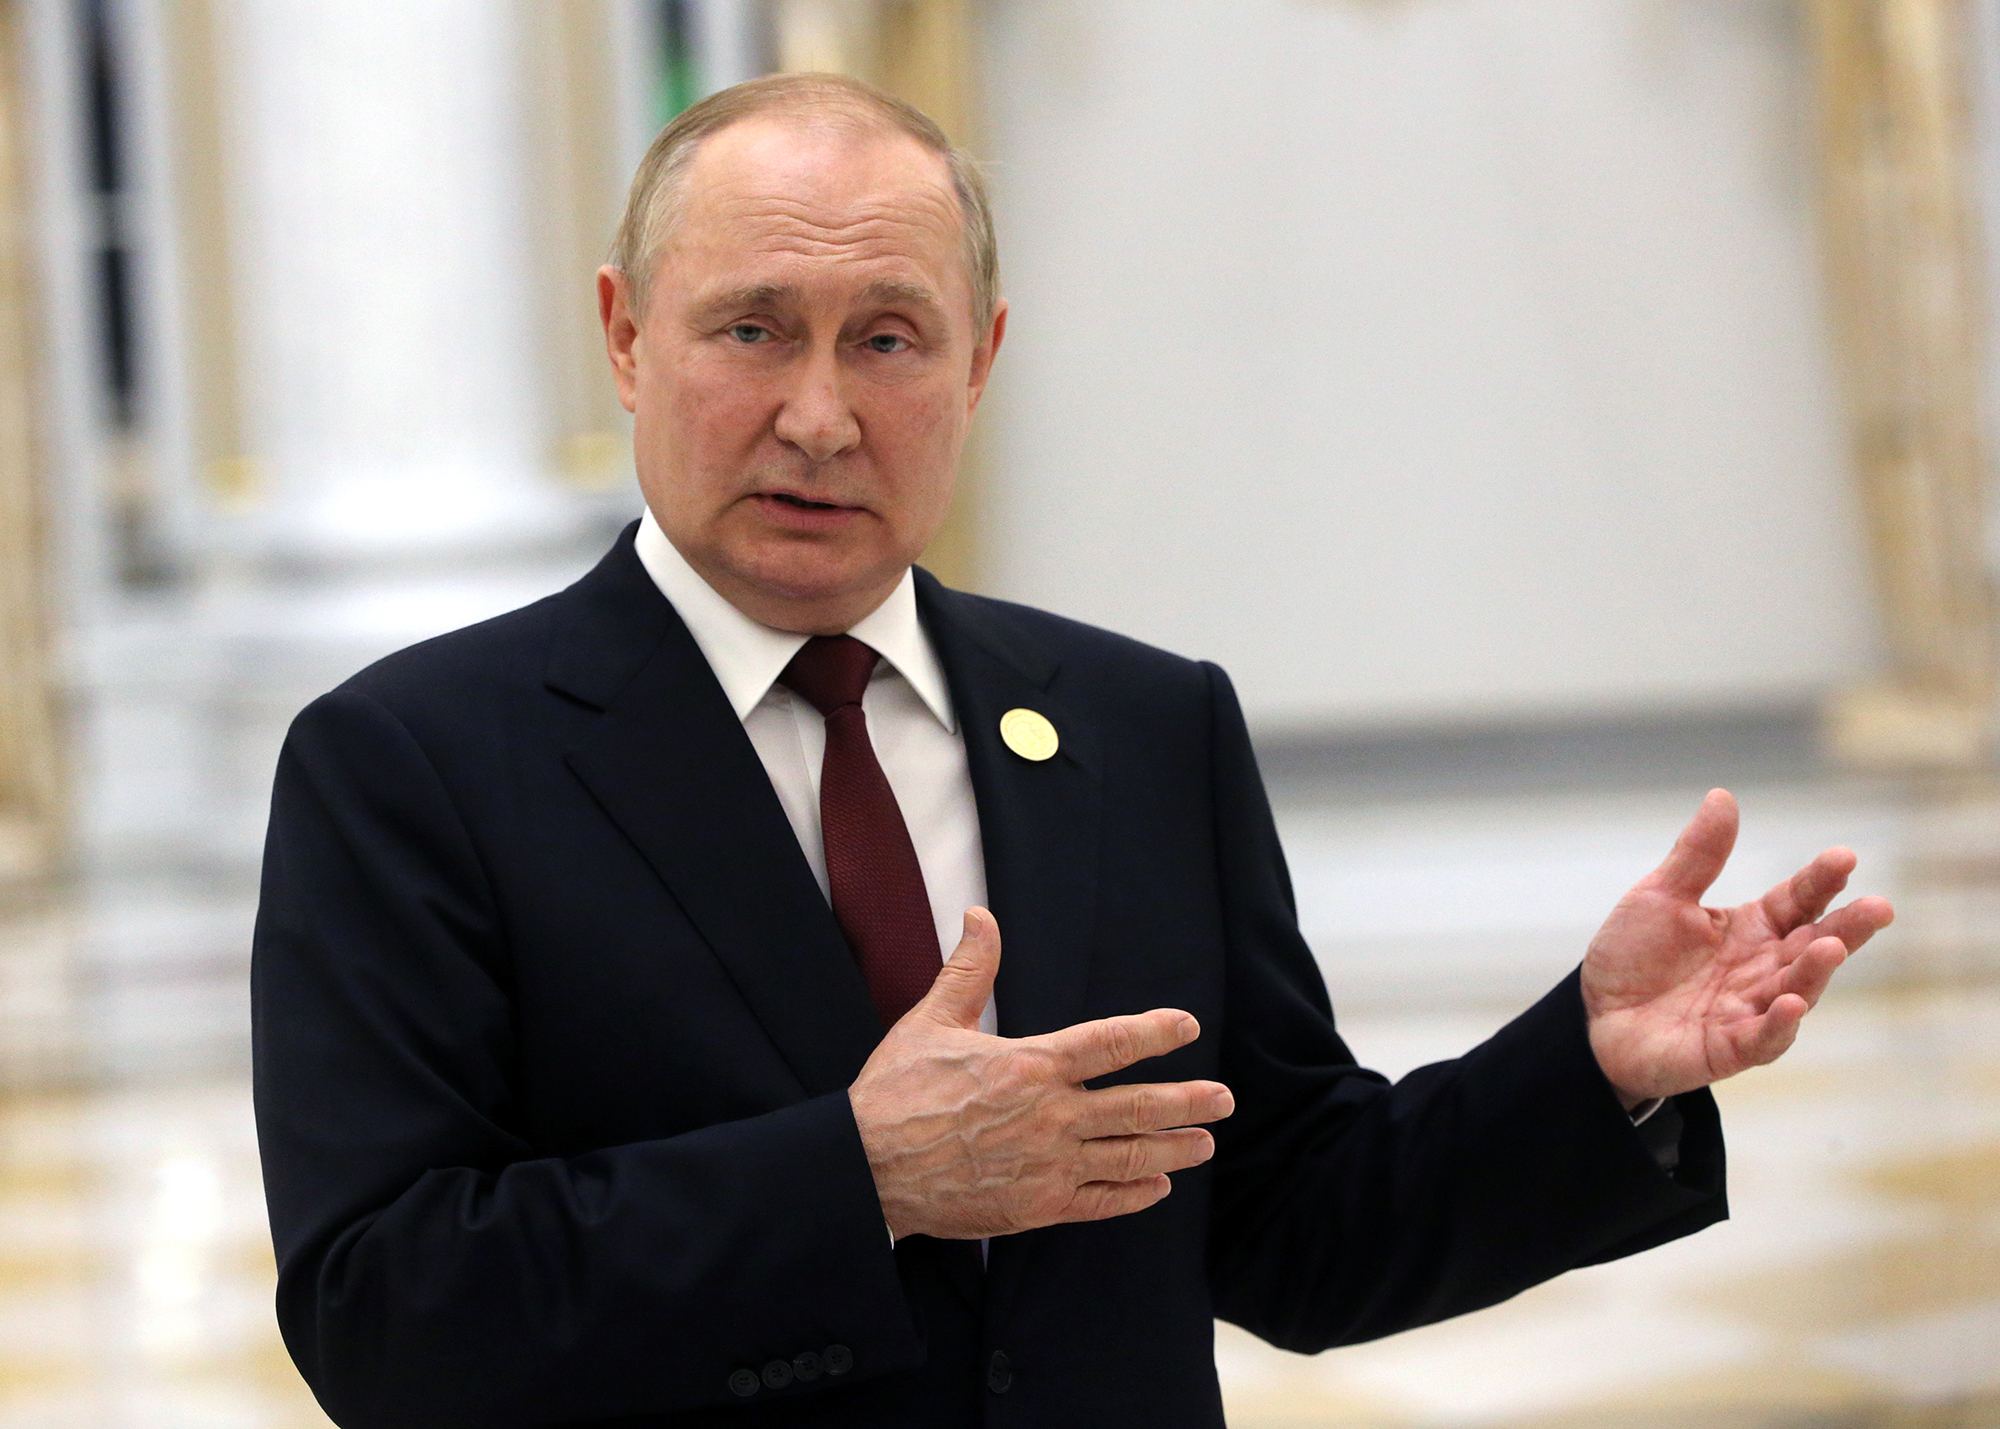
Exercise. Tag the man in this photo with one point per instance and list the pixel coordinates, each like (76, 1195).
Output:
(606, 1066)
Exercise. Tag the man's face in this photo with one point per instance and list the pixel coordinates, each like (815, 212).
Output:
(806, 369)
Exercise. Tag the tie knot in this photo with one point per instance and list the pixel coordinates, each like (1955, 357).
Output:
(830, 671)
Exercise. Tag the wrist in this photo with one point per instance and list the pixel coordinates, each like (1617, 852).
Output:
(1614, 1061)
(874, 1146)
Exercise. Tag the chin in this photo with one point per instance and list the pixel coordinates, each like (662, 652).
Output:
(818, 574)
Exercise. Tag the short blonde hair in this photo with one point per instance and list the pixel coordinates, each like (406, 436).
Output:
(653, 205)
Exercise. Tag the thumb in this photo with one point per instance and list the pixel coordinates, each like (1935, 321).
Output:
(965, 983)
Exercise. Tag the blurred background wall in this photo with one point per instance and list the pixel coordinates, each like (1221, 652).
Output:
(1544, 408)
(1427, 361)
(1429, 364)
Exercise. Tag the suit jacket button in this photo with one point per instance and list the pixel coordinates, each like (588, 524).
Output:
(839, 1359)
(807, 1367)
(743, 1383)
(1000, 1373)
(777, 1374)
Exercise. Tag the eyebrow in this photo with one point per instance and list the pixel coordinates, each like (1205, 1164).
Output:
(761, 295)
(889, 290)
(885, 292)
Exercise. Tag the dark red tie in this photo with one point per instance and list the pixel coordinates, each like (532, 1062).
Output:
(871, 865)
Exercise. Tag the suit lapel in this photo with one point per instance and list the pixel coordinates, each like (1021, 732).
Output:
(670, 763)
(1039, 821)
(1041, 824)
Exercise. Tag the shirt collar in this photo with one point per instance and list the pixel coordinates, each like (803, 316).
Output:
(748, 657)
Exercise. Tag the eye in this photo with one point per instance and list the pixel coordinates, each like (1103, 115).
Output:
(749, 332)
(886, 342)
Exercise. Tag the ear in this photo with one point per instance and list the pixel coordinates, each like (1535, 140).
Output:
(983, 355)
(621, 333)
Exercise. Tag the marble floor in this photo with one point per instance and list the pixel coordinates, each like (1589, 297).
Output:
(1857, 1285)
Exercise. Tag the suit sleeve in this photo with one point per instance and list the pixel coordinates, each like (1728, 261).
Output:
(1346, 1208)
(434, 1268)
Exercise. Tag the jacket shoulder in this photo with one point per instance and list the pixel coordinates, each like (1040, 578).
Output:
(505, 652)
(1079, 654)
(602, 626)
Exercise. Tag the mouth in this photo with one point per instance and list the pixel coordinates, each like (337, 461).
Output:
(790, 511)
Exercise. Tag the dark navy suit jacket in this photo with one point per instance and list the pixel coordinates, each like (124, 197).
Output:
(553, 1032)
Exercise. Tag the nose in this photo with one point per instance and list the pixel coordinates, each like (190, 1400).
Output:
(816, 416)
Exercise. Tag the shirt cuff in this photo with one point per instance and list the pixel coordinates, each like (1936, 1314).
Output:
(1658, 1126)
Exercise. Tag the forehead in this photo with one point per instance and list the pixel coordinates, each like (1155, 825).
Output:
(804, 194)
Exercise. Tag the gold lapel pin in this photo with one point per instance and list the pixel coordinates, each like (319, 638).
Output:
(1028, 734)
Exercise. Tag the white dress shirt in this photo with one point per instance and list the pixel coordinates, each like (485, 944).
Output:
(910, 723)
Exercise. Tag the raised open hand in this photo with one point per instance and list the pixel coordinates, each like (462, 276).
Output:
(971, 1135)
(1680, 996)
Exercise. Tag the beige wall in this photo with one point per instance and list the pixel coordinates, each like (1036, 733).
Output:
(27, 733)
(1906, 287)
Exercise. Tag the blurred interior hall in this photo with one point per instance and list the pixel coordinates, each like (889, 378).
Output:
(1545, 409)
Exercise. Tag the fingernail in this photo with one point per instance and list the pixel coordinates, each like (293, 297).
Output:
(1189, 1029)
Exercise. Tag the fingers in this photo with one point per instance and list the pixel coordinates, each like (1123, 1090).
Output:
(1809, 973)
(1859, 921)
(1097, 1049)
(1775, 1031)
(1133, 1111)
(964, 984)
(1101, 1200)
(1804, 896)
(1803, 983)
(1702, 849)
(1140, 1158)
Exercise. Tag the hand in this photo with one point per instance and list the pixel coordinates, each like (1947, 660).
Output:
(1679, 995)
(970, 1135)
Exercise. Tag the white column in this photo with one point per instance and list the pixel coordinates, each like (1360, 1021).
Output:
(385, 281)
(392, 379)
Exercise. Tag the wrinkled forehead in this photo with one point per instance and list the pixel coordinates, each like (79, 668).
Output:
(812, 187)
